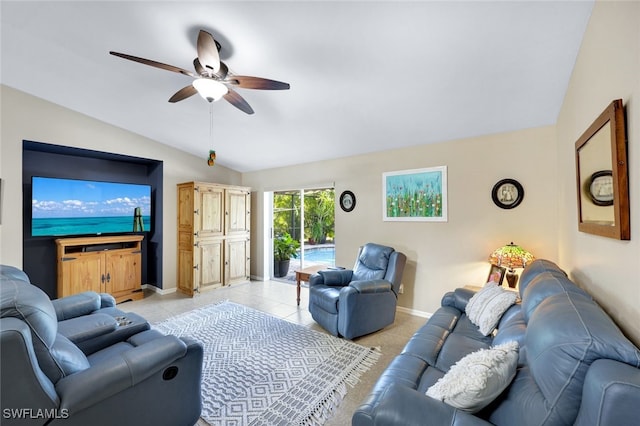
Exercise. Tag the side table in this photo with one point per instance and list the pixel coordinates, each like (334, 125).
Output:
(304, 274)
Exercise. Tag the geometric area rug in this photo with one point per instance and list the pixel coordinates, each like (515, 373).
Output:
(262, 370)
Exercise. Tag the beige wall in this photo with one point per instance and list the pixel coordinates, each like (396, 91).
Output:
(607, 68)
(25, 117)
(441, 256)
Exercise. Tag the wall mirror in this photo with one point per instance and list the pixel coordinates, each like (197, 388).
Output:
(601, 176)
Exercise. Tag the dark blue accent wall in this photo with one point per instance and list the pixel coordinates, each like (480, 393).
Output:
(42, 159)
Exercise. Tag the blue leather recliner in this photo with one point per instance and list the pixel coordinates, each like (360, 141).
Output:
(352, 303)
(79, 360)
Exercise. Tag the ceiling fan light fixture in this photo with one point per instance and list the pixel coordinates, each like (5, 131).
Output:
(210, 89)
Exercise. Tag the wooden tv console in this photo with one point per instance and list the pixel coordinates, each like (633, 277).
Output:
(102, 264)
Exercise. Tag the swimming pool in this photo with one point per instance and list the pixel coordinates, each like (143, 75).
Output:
(326, 255)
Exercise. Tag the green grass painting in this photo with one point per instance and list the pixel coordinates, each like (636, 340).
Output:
(415, 195)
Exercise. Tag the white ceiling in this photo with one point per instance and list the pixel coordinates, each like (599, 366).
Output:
(365, 76)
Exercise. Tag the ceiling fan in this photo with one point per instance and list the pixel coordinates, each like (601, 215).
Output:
(212, 78)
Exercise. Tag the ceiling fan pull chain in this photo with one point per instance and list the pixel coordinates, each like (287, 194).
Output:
(212, 152)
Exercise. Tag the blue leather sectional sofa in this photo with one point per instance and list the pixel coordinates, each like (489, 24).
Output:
(575, 367)
(80, 360)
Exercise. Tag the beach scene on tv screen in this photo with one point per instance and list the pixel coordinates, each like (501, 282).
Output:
(79, 207)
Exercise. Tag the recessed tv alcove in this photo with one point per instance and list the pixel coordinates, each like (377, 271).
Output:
(57, 163)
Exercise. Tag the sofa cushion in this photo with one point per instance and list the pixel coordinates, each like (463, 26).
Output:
(487, 306)
(447, 334)
(513, 328)
(535, 268)
(372, 262)
(66, 357)
(57, 356)
(565, 334)
(13, 273)
(478, 378)
(544, 285)
(325, 297)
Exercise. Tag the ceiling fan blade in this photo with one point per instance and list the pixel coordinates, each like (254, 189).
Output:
(153, 63)
(247, 82)
(208, 52)
(238, 101)
(183, 93)
(199, 68)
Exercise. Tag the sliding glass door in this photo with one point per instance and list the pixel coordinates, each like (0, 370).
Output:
(303, 232)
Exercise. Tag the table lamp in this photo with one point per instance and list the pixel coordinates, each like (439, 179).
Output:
(511, 256)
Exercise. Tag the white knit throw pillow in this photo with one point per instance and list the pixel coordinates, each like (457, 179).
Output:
(478, 378)
(486, 307)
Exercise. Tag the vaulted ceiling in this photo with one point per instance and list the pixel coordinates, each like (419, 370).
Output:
(365, 76)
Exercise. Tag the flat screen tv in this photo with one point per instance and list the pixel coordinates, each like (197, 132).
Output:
(61, 207)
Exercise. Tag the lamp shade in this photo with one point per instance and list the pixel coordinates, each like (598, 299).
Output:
(210, 89)
(511, 256)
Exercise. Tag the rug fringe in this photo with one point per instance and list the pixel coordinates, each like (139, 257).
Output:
(353, 378)
(327, 407)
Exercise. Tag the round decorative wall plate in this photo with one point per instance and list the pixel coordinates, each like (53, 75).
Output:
(600, 188)
(347, 201)
(507, 193)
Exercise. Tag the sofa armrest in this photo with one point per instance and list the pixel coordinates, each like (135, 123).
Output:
(333, 277)
(105, 379)
(76, 305)
(371, 286)
(401, 405)
(458, 298)
(107, 301)
(338, 277)
(610, 395)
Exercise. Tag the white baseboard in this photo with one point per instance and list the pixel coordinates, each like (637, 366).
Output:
(162, 291)
(415, 312)
(258, 278)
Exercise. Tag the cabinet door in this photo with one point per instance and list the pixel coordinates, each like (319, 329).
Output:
(238, 212)
(209, 264)
(80, 272)
(186, 209)
(237, 261)
(123, 272)
(209, 211)
(186, 262)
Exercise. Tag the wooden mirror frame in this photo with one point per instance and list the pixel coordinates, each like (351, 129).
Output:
(619, 228)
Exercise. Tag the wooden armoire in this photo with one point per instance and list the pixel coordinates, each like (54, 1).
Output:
(213, 236)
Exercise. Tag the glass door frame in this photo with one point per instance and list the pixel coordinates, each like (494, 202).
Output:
(268, 223)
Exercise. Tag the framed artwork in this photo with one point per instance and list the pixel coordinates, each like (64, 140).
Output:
(507, 193)
(415, 195)
(496, 274)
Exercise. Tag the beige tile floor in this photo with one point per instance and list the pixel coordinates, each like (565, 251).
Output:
(279, 299)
